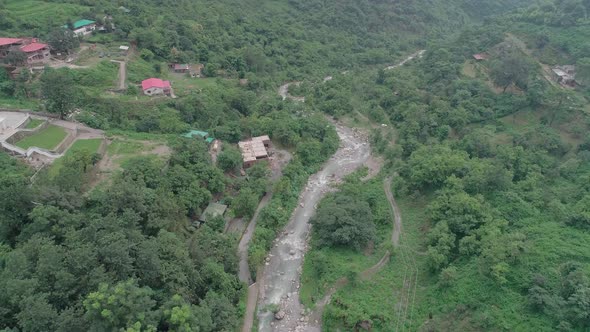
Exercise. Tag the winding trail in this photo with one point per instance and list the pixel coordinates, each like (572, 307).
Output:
(284, 92)
(279, 282)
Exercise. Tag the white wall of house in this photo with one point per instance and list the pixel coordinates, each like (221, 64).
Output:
(153, 91)
(86, 30)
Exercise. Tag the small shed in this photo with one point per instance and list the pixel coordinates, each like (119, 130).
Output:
(181, 68)
(481, 56)
(213, 210)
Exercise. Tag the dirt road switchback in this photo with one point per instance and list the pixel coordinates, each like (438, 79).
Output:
(279, 285)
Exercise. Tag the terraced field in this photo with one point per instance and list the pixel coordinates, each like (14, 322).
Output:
(47, 138)
(40, 14)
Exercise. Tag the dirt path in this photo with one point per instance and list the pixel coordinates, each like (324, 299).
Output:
(397, 218)
(122, 74)
(418, 54)
(279, 283)
(284, 92)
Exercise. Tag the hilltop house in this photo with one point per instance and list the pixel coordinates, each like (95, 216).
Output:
(155, 86)
(6, 44)
(35, 52)
(83, 27)
(254, 150)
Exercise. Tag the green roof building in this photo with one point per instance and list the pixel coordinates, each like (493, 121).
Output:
(80, 24)
(213, 210)
(194, 133)
(198, 133)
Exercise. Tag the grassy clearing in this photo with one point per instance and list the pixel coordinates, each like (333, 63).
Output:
(47, 138)
(324, 266)
(90, 145)
(34, 123)
(99, 78)
(11, 102)
(184, 84)
(381, 297)
(121, 147)
(469, 69)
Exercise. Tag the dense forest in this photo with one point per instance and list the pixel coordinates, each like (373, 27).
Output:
(490, 162)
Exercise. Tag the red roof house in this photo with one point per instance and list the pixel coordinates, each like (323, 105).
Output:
(155, 86)
(10, 41)
(480, 56)
(7, 43)
(36, 52)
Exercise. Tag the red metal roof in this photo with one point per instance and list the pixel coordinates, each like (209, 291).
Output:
(480, 56)
(33, 47)
(155, 83)
(181, 67)
(9, 41)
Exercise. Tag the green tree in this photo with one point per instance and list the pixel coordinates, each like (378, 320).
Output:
(16, 57)
(63, 40)
(121, 306)
(229, 159)
(344, 221)
(245, 203)
(430, 166)
(181, 316)
(583, 71)
(512, 69)
(59, 91)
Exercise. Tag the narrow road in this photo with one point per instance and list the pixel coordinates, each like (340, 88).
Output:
(279, 284)
(244, 273)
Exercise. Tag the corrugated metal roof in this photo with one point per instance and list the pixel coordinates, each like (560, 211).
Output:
(81, 23)
(33, 47)
(9, 41)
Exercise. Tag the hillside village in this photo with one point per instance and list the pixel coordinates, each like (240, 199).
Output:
(294, 165)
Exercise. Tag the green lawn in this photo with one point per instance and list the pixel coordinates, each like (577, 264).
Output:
(34, 123)
(48, 138)
(90, 145)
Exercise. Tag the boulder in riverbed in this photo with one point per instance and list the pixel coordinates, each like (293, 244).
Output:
(280, 315)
